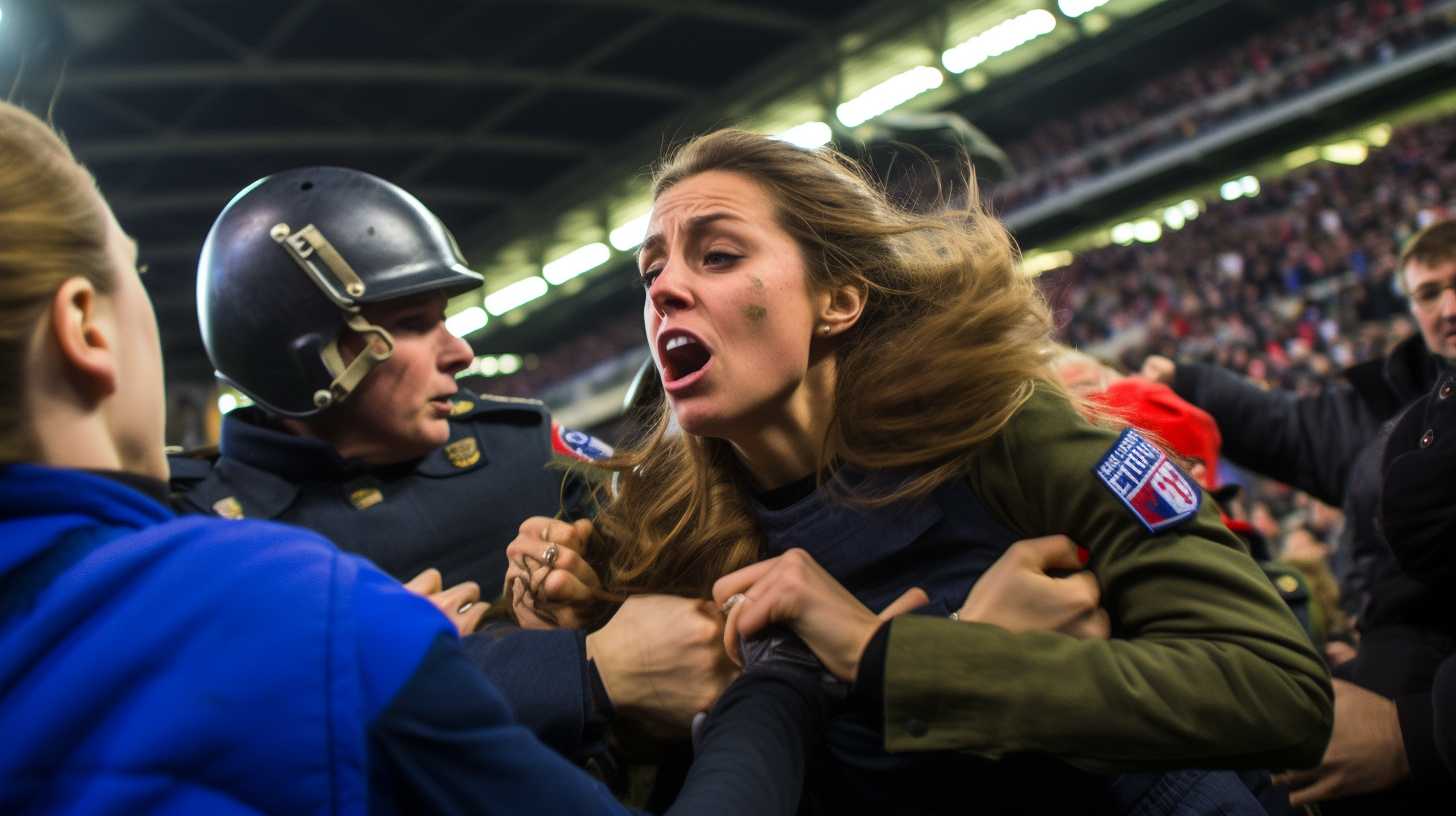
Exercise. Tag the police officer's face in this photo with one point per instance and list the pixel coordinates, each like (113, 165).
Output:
(1432, 289)
(729, 312)
(401, 410)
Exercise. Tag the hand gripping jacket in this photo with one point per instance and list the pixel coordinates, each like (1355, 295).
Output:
(288, 265)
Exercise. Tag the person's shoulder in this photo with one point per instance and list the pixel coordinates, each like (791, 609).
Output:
(272, 589)
(470, 407)
(1046, 416)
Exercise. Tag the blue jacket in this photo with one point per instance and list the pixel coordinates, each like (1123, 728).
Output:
(456, 509)
(150, 663)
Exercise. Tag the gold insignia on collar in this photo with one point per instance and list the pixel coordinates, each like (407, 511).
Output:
(463, 453)
(459, 407)
(228, 508)
(1287, 584)
(365, 497)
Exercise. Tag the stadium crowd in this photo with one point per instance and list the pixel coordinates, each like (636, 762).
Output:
(1215, 90)
(868, 551)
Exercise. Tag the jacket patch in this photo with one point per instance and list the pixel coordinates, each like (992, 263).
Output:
(578, 445)
(1157, 492)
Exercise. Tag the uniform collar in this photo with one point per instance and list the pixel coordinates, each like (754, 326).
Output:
(248, 437)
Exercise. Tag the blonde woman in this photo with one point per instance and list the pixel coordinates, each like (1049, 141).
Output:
(865, 408)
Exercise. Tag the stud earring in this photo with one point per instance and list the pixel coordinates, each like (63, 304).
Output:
(824, 329)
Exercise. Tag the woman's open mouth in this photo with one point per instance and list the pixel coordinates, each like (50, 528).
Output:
(685, 359)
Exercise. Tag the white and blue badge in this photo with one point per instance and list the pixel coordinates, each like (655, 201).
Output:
(578, 445)
(1157, 491)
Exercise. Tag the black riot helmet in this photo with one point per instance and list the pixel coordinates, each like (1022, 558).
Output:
(289, 263)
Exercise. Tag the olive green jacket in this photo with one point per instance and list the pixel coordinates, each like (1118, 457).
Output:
(1206, 666)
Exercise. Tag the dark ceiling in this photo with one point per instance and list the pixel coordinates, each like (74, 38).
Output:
(175, 105)
(493, 113)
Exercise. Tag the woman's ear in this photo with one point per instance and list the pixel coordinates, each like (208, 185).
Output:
(82, 332)
(839, 309)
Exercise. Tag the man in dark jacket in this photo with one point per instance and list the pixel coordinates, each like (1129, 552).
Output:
(1330, 446)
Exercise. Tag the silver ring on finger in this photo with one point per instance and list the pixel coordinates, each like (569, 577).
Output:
(465, 607)
(733, 600)
(550, 555)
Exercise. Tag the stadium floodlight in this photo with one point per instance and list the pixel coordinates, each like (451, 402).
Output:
(509, 364)
(226, 403)
(575, 262)
(1047, 261)
(1249, 186)
(1351, 152)
(1378, 135)
(1174, 218)
(1189, 208)
(1299, 158)
(890, 94)
(1230, 190)
(1076, 8)
(808, 135)
(1146, 230)
(998, 39)
(466, 321)
(489, 366)
(516, 295)
(631, 234)
(1124, 233)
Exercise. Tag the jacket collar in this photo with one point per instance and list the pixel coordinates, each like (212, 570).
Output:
(247, 437)
(36, 490)
(1389, 384)
(38, 502)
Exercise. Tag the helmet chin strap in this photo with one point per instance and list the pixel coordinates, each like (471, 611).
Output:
(379, 346)
(305, 247)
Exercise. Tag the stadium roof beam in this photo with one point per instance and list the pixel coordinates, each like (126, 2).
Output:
(756, 16)
(618, 41)
(283, 141)
(213, 199)
(345, 72)
(541, 212)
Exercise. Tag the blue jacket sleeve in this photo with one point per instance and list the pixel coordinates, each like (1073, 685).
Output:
(446, 744)
(543, 676)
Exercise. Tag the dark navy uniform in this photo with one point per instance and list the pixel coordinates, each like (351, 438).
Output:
(455, 510)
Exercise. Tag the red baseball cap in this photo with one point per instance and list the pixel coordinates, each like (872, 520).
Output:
(1153, 407)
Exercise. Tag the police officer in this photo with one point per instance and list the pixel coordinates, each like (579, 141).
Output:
(321, 296)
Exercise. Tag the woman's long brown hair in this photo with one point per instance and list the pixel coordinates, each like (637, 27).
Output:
(952, 341)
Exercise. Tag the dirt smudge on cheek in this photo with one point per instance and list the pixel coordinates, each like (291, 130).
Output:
(755, 313)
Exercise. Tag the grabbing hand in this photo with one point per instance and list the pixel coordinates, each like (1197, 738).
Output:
(1366, 751)
(548, 581)
(1159, 369)
(793, 590)
(1018, 595)
(460, 603)
(661, 660)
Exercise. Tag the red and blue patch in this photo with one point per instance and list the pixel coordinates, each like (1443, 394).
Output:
(578, 445)
(1155, 489)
